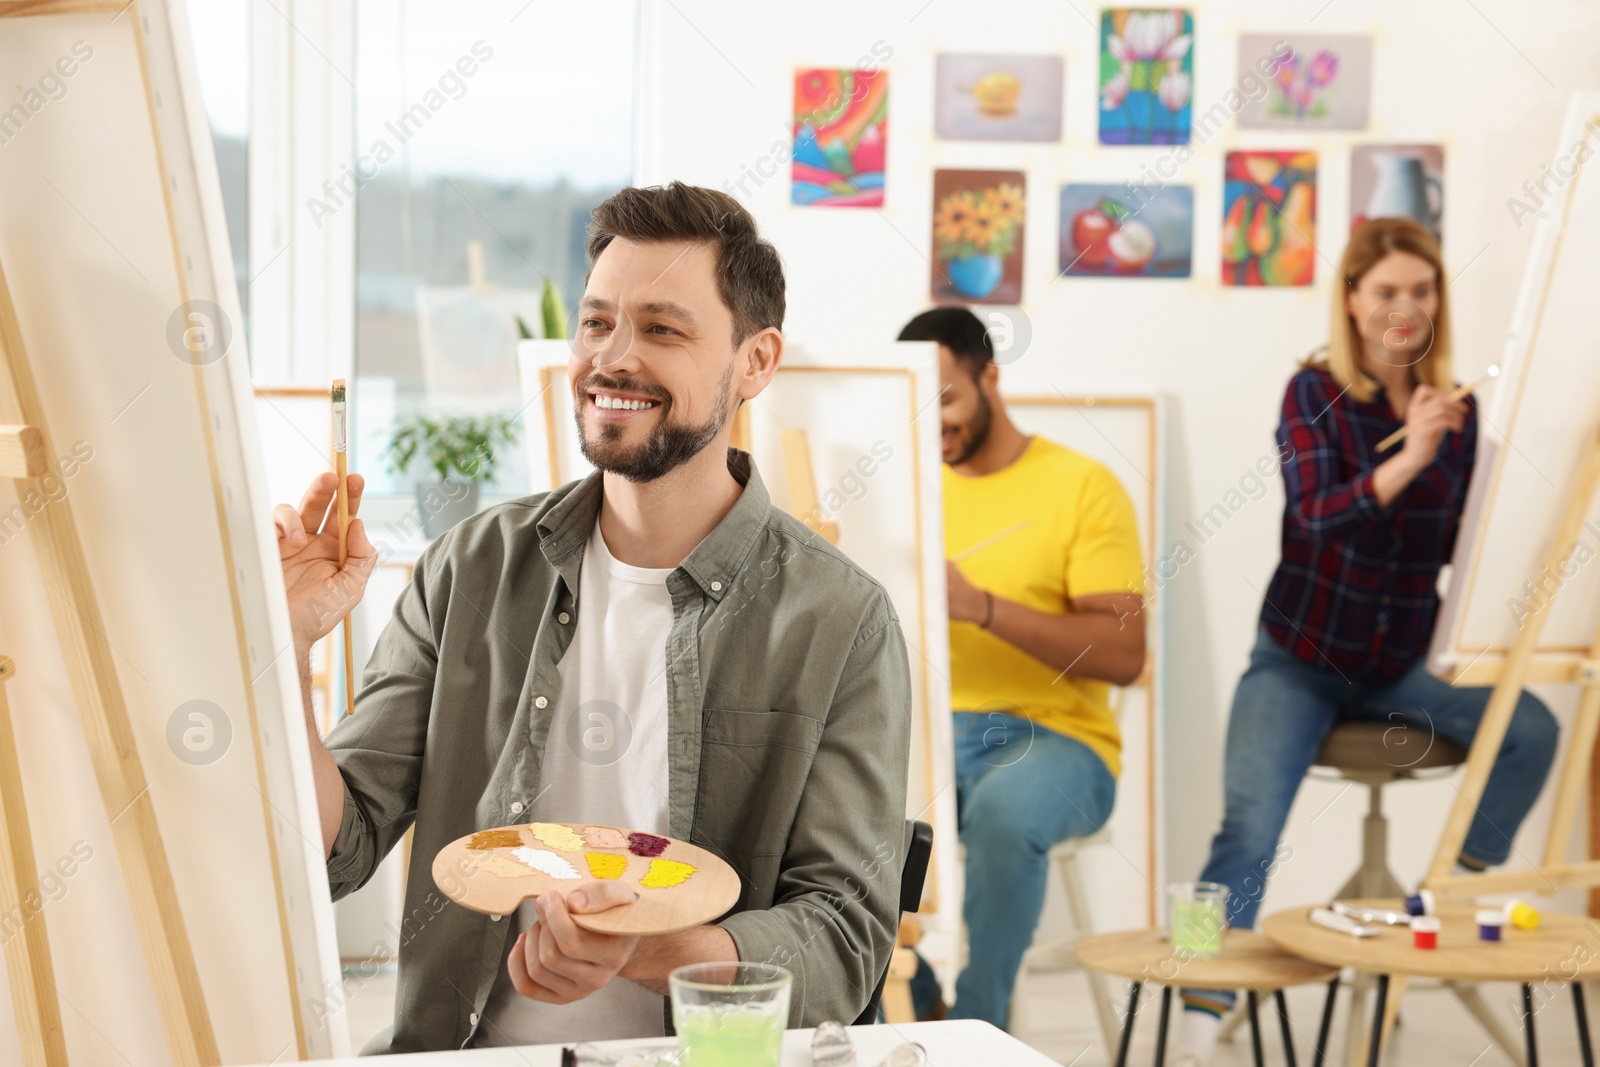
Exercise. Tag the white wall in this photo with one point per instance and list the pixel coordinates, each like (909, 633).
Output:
(1488, 80)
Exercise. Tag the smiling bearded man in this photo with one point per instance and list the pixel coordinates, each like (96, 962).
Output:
(637, 649)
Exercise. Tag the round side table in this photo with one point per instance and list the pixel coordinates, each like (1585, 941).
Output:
(1565, 948)
(1248, 961)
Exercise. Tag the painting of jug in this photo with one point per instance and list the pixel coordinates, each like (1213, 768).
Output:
(1406, 181)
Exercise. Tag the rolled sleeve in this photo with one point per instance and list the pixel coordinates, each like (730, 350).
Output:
(837, 903)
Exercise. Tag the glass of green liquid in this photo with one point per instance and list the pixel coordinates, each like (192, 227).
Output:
(1199, 914)
(730, 1014)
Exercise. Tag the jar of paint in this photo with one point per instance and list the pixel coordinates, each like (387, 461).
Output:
(1521, 915)
(1425, 931)
(1490, 923)
(1421, 902)
(1199, 913)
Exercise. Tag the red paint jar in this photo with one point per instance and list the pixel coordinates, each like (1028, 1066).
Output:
(1425, 931)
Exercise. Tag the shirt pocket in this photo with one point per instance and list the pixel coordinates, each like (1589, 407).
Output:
(753, 771)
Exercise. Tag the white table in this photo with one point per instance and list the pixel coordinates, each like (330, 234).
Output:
(951, 1043)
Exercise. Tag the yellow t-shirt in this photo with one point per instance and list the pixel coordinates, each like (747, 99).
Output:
(1081, 539)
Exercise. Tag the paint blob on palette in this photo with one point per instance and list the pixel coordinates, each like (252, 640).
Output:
(493, 870)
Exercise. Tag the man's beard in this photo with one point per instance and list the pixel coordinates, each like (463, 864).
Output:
(669, 445)
(977, 431)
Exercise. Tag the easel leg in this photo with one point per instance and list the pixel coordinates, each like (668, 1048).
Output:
(1471, 998)
(27, 949)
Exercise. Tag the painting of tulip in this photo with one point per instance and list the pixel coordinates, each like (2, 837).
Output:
(1126, 231)
(1325, 83)
(841, 123)
(1146, 75)
(977, 236)
(1269, 220)
(997, 98)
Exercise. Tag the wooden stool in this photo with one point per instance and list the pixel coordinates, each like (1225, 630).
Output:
(1248, 961)
(1564, 947)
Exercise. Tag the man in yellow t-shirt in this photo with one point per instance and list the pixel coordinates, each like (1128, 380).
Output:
(1045, 615)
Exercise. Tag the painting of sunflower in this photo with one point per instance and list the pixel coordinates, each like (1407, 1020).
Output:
(977, 236)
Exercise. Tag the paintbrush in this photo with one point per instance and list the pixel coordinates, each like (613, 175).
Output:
(986, 542)
(1455, 394)
(342, 496)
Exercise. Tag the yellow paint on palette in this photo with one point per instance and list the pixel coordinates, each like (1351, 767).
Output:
(664, 874)
(604, 865)
(556, 835)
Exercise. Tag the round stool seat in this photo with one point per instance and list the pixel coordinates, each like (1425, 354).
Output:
(1395, 748)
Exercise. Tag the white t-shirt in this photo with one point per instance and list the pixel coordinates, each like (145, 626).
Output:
(605, 761)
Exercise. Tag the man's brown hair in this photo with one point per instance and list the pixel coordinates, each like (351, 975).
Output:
(749, 272)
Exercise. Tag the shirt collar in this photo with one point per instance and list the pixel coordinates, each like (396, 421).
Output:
(715, 561)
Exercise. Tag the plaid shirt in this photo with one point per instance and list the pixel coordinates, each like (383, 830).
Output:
(1356, 589)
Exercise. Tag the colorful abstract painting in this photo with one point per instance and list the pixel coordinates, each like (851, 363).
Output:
(1269, 220)
(1146, 75)
(841, 124)
(997, 98)
(1325, 83)
(1389, 180)
(1126, 231)
(977, 236)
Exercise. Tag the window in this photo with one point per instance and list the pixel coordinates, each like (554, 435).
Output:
(485, 135)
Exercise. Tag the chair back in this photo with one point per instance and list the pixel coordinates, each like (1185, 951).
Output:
(913, 873)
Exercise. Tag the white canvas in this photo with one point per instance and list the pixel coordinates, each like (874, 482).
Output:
(110, 220)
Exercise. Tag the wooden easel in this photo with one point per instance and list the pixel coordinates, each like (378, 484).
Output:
(33, 983)
(107, 728)
(802, 480)
(1554, 872)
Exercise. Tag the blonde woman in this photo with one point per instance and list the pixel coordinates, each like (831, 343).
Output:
(1350, 610)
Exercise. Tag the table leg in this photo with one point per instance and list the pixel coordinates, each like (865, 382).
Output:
(1376, 1048)
(1283, 1025)
(1527, 1022)
(1583, 1024)
(1319, 1055)
(1255, 1029)
(1127, 1025)
(1161, 1029)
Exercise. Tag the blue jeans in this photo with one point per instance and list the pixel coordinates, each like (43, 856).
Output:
(1020, 788)
(1284, 708)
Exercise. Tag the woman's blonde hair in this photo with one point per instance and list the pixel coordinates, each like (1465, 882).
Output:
(1376, 239)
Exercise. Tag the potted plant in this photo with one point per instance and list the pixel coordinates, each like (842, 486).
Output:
(461, 450)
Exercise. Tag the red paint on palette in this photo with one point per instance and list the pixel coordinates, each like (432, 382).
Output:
(647, 844)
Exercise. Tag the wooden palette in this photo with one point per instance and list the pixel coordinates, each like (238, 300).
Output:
(679, 885)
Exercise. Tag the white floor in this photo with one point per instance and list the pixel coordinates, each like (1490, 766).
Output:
(1434, 1027)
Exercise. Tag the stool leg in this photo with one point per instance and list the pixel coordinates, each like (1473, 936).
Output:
(1527, 1021)
(1583, 1024)
(1374, 1049)
(1255, 1029)
(1127, 1025)
(1319, 1055)
(1161, 1030)
(1283, 1025)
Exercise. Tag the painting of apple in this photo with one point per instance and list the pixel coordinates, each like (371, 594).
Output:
(1109, 231)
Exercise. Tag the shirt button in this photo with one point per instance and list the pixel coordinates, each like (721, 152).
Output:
(473, 1018)
(496, 918)
(516, 807)
(716, 587)
(564, 618)
(541, 702)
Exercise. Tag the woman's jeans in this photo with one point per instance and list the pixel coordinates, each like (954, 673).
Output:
(1020, 789)
(1284, 709)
